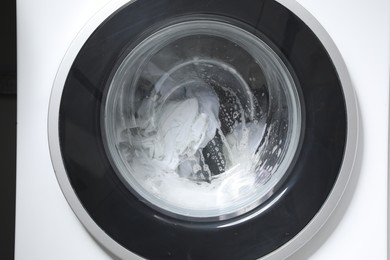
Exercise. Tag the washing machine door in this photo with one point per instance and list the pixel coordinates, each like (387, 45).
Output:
(203, 129)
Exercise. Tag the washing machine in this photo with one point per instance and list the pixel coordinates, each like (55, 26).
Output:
(209, 129)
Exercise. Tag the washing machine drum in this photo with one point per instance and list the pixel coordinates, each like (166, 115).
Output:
(201, 129)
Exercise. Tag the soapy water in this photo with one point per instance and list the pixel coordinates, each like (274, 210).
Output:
(196, 143)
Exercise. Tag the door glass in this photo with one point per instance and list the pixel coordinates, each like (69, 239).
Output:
(202, 120)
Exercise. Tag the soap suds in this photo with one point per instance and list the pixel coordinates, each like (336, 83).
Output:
(179, 153)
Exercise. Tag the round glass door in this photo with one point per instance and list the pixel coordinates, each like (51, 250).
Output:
(202, 119)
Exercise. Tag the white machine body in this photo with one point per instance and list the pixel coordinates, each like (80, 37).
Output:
(47, 228)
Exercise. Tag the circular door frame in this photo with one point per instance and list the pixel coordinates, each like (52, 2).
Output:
(292, 245)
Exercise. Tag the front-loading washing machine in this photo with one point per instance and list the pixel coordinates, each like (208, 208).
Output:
(202, 129)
